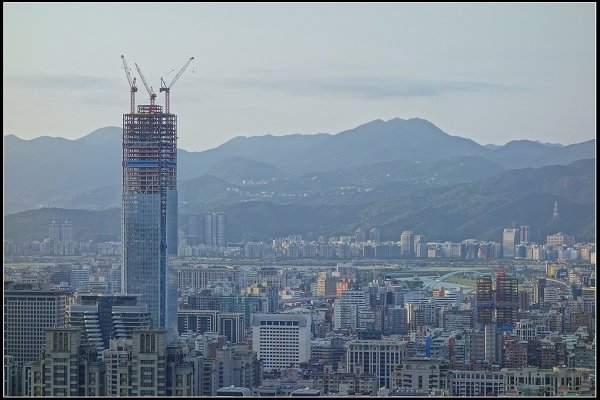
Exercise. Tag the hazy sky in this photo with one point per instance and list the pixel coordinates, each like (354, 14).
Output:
(489, 72)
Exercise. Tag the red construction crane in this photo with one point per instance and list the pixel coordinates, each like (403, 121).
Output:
(132, 86)
(167, 89)
(148, 88)
(498, 269)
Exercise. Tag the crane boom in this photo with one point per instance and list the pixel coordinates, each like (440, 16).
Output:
(148, 88)
(167, 89)
(132, 86)
(180, 72)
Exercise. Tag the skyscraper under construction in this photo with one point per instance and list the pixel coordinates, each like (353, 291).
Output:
(149, 205)
(149, 212)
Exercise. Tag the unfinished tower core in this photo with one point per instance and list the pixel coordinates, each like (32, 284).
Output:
(149, 212)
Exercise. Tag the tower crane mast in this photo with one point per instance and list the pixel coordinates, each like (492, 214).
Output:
(132, 86)
(148, 88)
(167, 88)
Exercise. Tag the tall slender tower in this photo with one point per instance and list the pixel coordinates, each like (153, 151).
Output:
(149, 212)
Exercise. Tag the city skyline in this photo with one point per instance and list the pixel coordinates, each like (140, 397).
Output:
(394, 259)
(492, 73)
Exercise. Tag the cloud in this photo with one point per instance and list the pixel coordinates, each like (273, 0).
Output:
(61, 81)
(370, 87)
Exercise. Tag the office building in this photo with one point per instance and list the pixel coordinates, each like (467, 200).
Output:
(407, 244)
(376, 357)
(114, 282)
(509, 242)
(29, 310)
(281, 340)
(475, 383)
(232, 326)
(420, 373)
(80, 278)
(149, 212)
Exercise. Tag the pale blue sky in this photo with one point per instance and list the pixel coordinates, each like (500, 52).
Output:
(489, 72)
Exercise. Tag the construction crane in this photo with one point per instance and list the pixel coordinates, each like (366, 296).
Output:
(167, 88)
(132, 86)
(148, 88)
(498, 269)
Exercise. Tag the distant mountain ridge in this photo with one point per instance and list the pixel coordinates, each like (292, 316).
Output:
(477, 209)
(50, 172)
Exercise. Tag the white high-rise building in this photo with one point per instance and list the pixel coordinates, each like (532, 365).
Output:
(281, 340)
(509, 241)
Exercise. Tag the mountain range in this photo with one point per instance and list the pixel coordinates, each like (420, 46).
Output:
(56, 172)
(478, 209)
(396, 174)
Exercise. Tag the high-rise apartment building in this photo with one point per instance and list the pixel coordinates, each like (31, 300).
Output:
(509, 242)
(538, 290)
(507, 300)
(347, 307)
(360, 235)
(484, 300)
(514, 354)
(146, 366)
(67, 367)
(29, 310)
(375, 235)
(195, 231)
(560, 239)
(524, 234)
(149, 212)
(281, 340)
(420, 246)
(61, 232)
(215, 229)
(105, 317)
